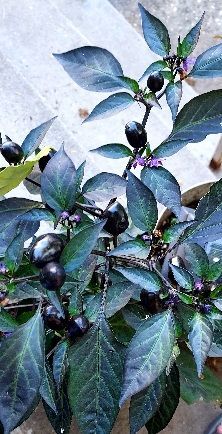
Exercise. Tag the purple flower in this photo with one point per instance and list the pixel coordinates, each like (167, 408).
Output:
(188, 63)
(76, 218)
(145, 237)
(154, 162)
(3, 268)
(139, 161)
(199, 285)
(64, 215)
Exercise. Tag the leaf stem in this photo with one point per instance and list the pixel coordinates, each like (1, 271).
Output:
(33, 182)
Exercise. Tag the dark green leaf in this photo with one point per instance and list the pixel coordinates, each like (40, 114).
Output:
(155, 33)
(169, 403)
(145, 404)
(190, 41)
(35, 137)
(183, 277)
(197, 259)
(172, 233)
(134, 315)
(14, 253)
(92, 68)
(141, 203)
(7, 322)
(113, 150)
(185, 298)
(155, 66)
(208, 64)
(207, 226)
(80, 246)
(110, 106)
(197, 119)
(193, 389)
(173, 96)
(133, 248)
(59, 182)
(47, 389)
(61, 420)
(60, 363)
(129, 83)
(148, 280)
(200, 339)
(148, 353)
(121, 330)
(214, 271)
(83, 275)
(95, 379)
(21, 369)
(164, 187)
(26, 290)
(104, 186)
(80, 174)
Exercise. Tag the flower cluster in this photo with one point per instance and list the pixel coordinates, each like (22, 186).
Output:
(150, 161)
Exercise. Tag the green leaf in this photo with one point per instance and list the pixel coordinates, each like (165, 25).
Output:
(190, 41)
(185, 298)
(155, 66)
(92, 68)
(80, 174)
(14, 253)
(148, 280)
(80, 246)
(113, 150)
(155, 33)
(7, 322)
(169, 403)
(115, 103)
(172, 233)
(198, 118)
(208, 64)
(129, 83)
(47, 389)
(104, 186)
(60, 421)
(207, 225)
(22, 357)
(134, 315)
(35, 137)
(59, 182)
(214, 271)
(83, 275)
(200, 339)
(173, 96)
(148, 353)
(60, 363)
(183, 277)
(152, 99)
(193, 389)
(121, 330)
(141, 203)
(134, 248)
(197, 259)
(95, 379)
(145, 404)
(164, 187)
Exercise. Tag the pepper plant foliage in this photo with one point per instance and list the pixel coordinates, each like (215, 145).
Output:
(107, 306)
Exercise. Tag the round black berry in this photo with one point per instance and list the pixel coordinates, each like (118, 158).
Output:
(45, 249)
(77, 326)
(155, 81)
(44, 160)
(52, 276)
(53, 318)
(3, 295)
(136, 134)
(12, 152)
(117, 220)
(150, 301)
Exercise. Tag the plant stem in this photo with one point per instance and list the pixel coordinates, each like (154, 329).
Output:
(147, 112)
(96, 212)
(33, 182)
(19, 279)
(106, 284)
(167, 283)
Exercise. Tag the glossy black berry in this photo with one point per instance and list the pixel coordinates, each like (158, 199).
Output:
(45, 249)
(77, 326)
(44, 160)
(52, 276)
(3, 295)
(136, 134)
(53, 318)
(155, 81)
(150, 301)
(117, 219)
(12, 152)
